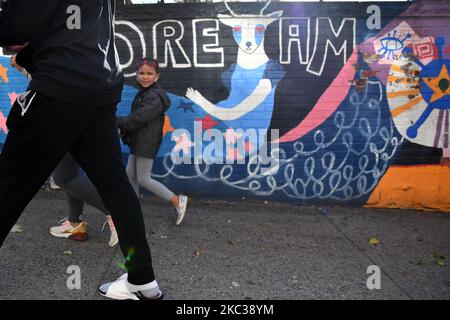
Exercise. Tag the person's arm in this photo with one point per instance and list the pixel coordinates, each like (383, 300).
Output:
(22, 20)
(150, 109)
(18, 67)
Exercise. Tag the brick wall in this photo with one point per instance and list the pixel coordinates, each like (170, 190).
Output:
(356, 109)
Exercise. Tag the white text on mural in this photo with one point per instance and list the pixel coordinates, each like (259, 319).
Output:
(301, 40)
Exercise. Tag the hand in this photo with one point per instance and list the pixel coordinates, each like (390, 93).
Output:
(14, 63)
(122, 132)
(195, 96)
(16, 48)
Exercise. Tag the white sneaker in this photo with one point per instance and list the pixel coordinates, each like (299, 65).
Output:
(118, 290)
(53, 185)
(114, 238)
(181, 209)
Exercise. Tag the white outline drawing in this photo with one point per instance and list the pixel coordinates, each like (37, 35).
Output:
(130, 46)
(329, 43)
(297, 40)
(168, 45)
(208, 48)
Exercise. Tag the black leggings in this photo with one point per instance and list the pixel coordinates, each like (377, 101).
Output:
(37, 141)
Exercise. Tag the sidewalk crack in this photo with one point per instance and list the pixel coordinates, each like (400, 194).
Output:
(367, 256)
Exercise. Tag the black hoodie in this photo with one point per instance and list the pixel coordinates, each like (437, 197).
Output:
(71, 57)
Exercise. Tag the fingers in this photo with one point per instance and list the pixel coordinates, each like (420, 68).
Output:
(189, 91)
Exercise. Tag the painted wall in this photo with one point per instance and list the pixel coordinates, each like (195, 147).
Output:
(315, 103)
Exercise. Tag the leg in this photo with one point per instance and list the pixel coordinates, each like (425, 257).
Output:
(98, 153)
(66, 171)
(131, 173)
(36, 143)
(80, 188)
(144, 171)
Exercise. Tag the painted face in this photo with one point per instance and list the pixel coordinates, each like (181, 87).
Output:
(147, 76)
(249, 30)
(249, 34)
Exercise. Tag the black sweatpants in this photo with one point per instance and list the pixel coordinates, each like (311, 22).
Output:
(36, 143)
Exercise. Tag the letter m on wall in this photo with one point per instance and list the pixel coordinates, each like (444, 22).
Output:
(342, 41)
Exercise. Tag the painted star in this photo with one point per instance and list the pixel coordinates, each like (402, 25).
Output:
(167, 126)
(440, 85)
(13, 96)
(183, 142)
(186, 107)
(3, 123)
(3, 74)
(207, 122)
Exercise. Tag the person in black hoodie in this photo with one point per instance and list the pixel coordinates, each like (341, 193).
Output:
(69, 50)
(142, 131)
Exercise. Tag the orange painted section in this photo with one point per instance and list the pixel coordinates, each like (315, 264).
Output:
(414, 187)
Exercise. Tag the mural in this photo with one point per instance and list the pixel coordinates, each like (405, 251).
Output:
(297, 102)
(12, 82)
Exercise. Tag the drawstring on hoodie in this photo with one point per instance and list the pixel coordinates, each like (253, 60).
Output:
(22, 100)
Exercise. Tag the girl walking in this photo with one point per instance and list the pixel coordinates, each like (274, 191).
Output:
(142, 131)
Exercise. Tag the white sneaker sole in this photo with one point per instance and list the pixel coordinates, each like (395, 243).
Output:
(60, 235)
(71, 236)
(117, 290)
(180, 216)
(112, 244)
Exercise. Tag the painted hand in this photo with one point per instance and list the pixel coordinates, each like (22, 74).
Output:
(196, 97)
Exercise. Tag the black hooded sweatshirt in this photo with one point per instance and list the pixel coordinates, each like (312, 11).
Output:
(71, 52)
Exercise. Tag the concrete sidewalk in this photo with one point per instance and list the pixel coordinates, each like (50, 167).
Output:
(244, 250)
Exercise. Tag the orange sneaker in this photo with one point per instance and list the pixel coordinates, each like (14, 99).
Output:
(66, 230)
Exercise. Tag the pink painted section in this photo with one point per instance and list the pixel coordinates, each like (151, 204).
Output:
(13, 96)
(3, 123)
(327, 104)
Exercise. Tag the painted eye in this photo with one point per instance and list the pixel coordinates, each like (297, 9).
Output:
(260, 28)
(391, 44)
(237, 29)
